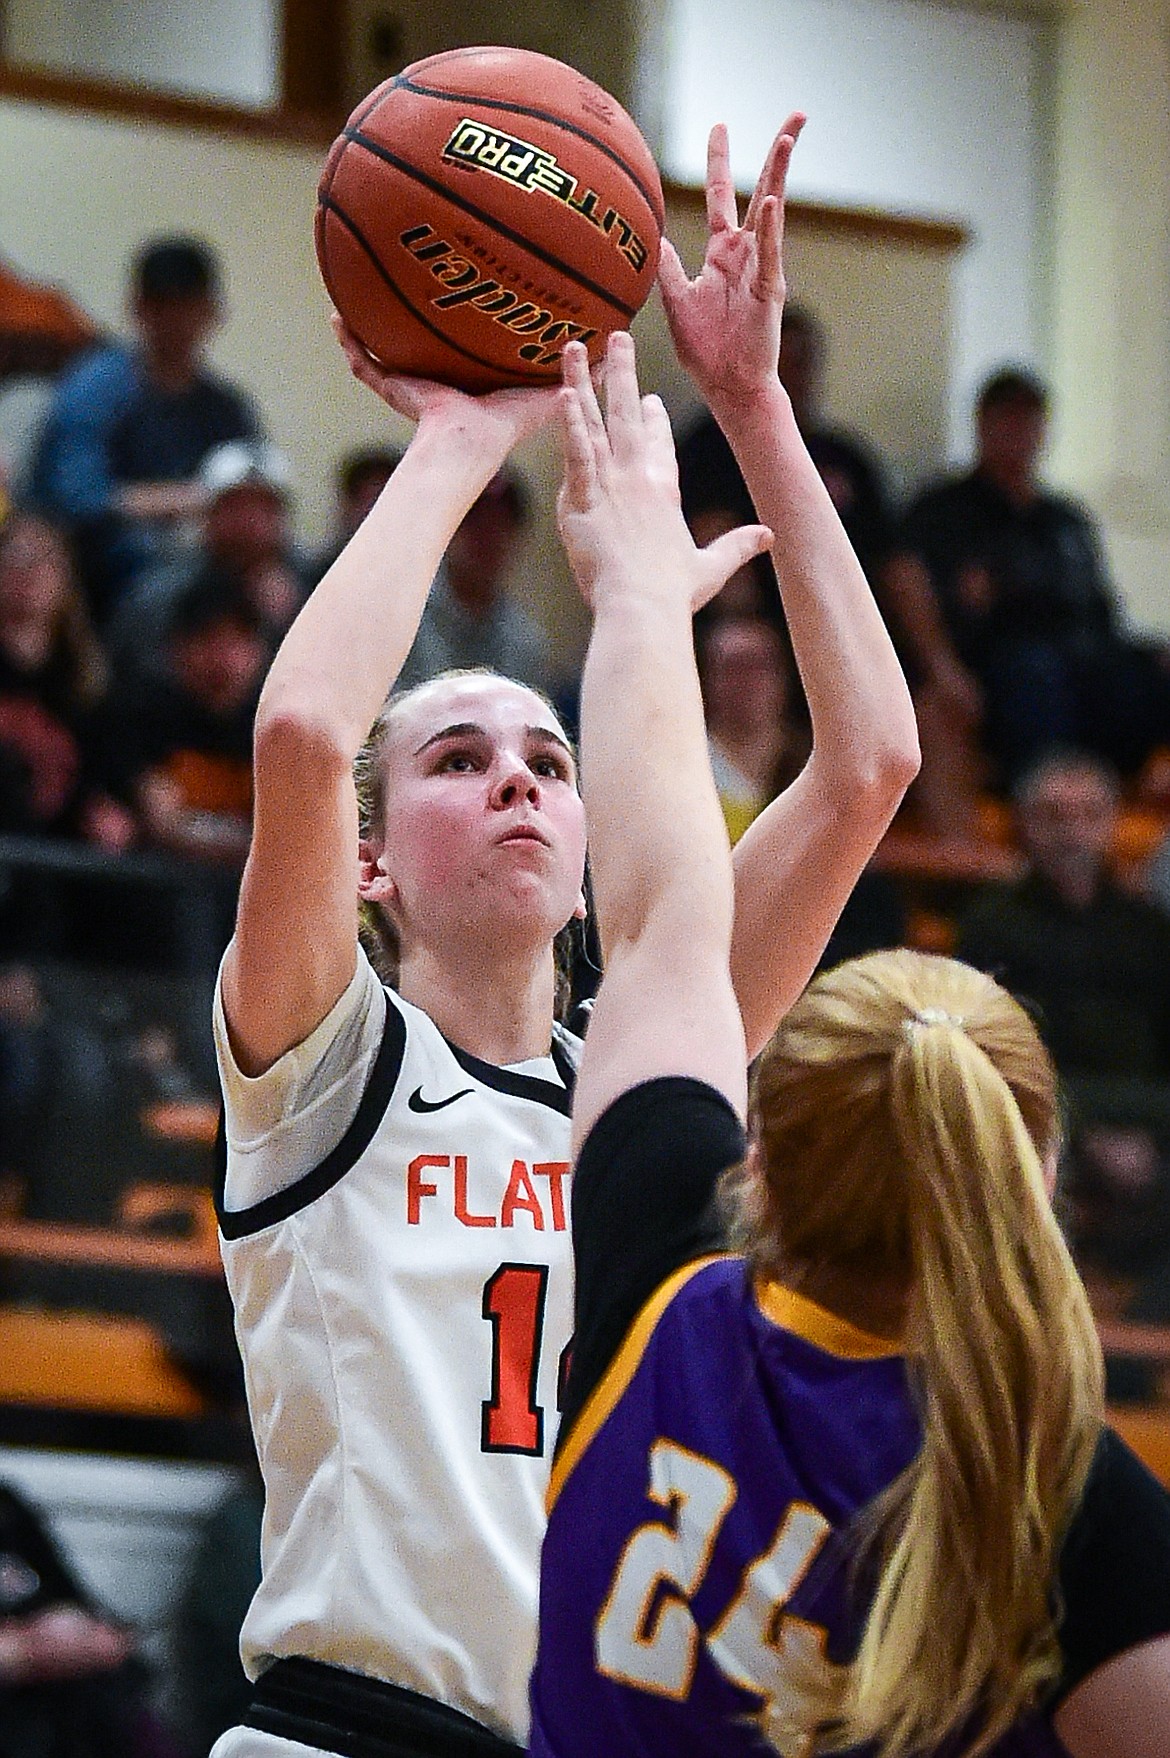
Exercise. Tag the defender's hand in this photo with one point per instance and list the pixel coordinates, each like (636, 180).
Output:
(618, 507)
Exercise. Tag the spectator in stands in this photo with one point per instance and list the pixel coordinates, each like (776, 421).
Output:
(1006, 608)
(709, 477)
(244, 534)
(53, 675)
(361, 477)
(83, 1056)
(1095, 963)
(471, 618)
(758, 744)
(129, 423)
(70, 1686)
(177, 748)
(758, 736)
(247, 529)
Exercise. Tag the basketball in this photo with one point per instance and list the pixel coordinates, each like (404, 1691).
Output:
(483, 208)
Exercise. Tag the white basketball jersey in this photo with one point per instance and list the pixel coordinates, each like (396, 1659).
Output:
(404, 1312)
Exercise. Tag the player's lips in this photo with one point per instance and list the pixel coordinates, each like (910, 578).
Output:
(523, 833)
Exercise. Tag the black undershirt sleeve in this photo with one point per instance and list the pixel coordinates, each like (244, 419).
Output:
(1115, 1565)
(643, 1206)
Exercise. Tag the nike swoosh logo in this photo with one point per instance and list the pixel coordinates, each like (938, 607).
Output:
(418, 1103)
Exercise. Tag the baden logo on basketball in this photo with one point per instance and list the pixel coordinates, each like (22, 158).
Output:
(466, 286)
(533, 169)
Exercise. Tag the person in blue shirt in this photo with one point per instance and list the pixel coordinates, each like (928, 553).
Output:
(846, 1488)
(117, 459)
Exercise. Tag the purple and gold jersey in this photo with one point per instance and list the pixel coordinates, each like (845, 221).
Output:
(721, 1439)
(690, 1564)
(694, 1571)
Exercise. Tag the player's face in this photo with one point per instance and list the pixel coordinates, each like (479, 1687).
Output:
(484, 830)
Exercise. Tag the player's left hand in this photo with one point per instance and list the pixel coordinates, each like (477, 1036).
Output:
(618, 507)
(726, 322)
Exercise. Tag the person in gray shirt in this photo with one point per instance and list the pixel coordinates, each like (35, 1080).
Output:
(471, 619)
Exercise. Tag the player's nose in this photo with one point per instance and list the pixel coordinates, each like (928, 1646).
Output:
(514, 782)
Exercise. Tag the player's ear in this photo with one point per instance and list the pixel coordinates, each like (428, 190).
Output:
(754, 1159)
(374, 883)
(580, 908)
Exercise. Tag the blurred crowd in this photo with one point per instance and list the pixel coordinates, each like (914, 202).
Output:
(149, 568)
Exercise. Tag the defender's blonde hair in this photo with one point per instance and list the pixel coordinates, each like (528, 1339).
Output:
(904, 1110)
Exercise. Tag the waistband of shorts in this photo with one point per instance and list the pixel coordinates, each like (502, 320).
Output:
(360, 1717)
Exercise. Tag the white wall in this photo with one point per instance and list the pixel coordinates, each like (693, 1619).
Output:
(914, 109)
(223, 49)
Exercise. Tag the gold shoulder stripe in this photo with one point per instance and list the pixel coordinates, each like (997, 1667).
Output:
(619, 1373)
(796, 1313)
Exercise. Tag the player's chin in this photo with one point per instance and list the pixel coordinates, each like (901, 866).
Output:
(537, 893)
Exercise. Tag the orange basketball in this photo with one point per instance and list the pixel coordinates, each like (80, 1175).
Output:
(482, 209)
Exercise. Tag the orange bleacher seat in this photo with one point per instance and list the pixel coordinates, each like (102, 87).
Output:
(92, 1362)
(1147, 1431)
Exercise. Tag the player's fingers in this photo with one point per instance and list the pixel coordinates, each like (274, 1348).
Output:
(576, 375)
(789, 135)
(658, 438)
(726, 555)
(769, 264)
(407, 396)
(361, 364)
(766, 183)
(774, 175)
(623, 402)
(579, 483)
(672, 277)
(721, 209)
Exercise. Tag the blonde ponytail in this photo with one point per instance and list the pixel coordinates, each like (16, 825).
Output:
(1008, 1367)
(941, 1094)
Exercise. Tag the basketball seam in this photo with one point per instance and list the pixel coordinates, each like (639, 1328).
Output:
(436, 188)
(333, 207)
(467, 98)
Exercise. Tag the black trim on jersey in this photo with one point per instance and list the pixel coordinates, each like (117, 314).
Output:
(358, 1717)
(521, 1086)
(643, 1206)
(1115, 1564)
(240, 1223)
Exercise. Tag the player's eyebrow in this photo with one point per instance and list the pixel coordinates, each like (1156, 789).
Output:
(462, 729)
(471, 729)
(549, 737)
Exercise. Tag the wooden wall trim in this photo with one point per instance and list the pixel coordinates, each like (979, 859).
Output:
(105, 98)
(312, 59)
(870, 223)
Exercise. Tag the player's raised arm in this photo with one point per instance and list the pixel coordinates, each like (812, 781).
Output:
(797, 864)
(295, 942)
(660, 859)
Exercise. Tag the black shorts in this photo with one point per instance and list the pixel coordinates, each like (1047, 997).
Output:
(359, 1717)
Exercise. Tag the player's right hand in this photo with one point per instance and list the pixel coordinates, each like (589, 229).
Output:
(502, 417)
